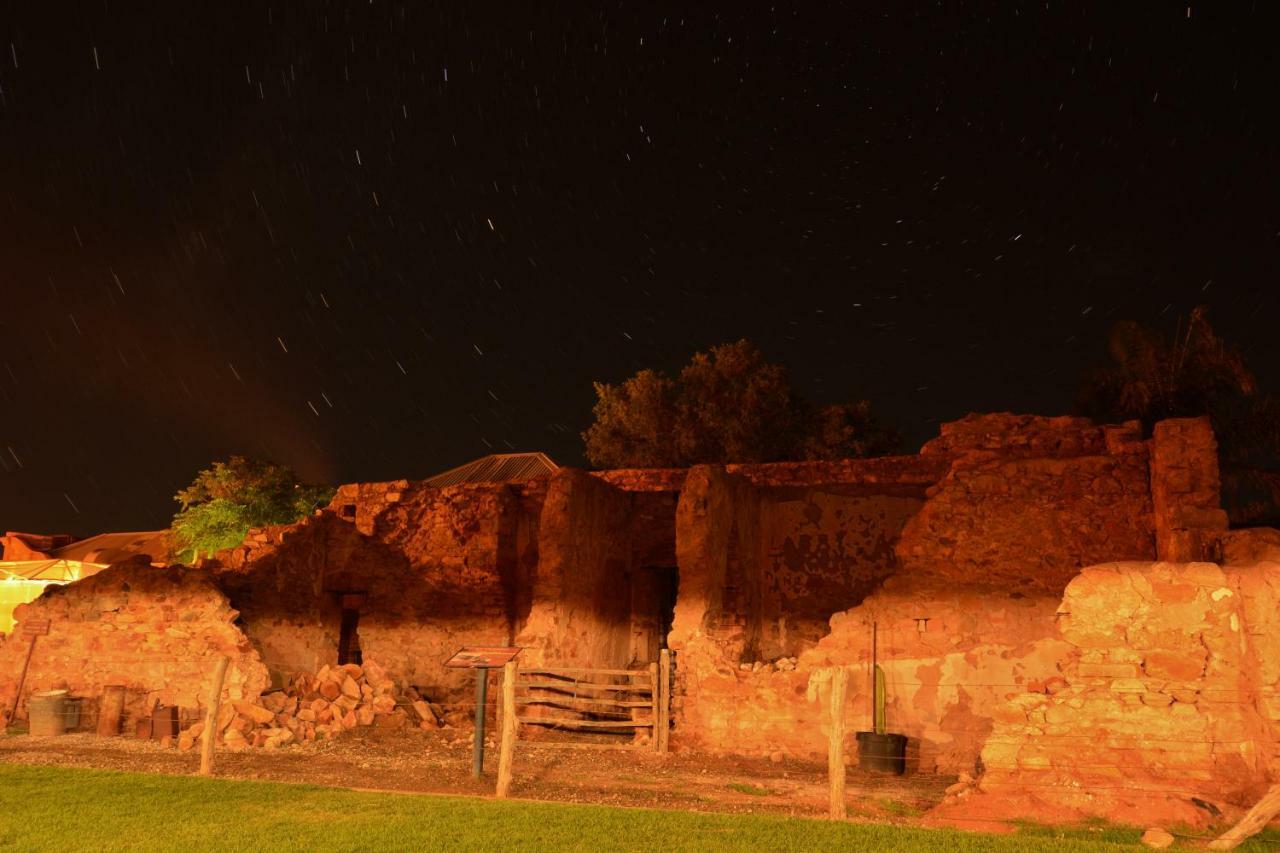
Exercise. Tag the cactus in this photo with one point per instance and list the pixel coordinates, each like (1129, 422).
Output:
(878, 720)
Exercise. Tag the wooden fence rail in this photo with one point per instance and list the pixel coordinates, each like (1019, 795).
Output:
(584, 700)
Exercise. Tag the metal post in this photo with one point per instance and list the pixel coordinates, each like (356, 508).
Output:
(482, 689)
(875, 712)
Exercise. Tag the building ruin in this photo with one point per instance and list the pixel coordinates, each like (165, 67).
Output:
(761, 578)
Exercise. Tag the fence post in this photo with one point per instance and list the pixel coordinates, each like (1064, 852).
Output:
(663, 721)
(211, 717)
(835, 746)
(655, 694)
(506, 751)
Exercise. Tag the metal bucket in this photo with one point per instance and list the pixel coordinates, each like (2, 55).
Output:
(46, 713)
(882, 753)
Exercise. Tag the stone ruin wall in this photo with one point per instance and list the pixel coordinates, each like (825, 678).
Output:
(1007, 509)
(1029, 501)
(782, 568)
(435, 569)
(1168, 696)
(824, 549)
(592, 589)
(158, 632)
(1186, 491)
(944, 684)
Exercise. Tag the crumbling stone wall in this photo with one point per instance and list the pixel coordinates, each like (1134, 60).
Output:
(1167, 703)
(430, 570)
(362, 503)
(158, 632)
(718, 538)
(997, 506)
(1060, 494)
(763, 567)
(945, 677)
(1186, 491)
(581, 611)
(825, 549)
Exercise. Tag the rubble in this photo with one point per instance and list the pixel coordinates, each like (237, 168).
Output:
(327, 703)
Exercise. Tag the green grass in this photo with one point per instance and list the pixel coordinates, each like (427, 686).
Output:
(1088, 830)
(899, 808)
(48, 808)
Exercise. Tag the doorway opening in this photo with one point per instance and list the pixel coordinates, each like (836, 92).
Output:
(349, 628)
(653, 607)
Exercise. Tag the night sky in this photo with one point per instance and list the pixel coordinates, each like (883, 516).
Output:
(375, 240)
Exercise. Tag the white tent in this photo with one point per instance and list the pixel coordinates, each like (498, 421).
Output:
(23, 580)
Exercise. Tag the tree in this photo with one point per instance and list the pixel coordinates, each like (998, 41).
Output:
(1193, 373)
(847, 431)
(1196, 373)
(225, 500)
(728, 405)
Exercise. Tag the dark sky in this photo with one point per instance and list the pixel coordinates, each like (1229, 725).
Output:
(375, 239)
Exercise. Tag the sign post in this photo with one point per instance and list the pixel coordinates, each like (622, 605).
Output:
(481, 659)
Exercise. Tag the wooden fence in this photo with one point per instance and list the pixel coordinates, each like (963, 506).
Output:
(587, 700)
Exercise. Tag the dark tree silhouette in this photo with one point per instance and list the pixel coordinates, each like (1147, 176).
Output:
(727, 405)
(1194, 373)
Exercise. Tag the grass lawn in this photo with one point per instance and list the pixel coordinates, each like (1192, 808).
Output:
(48, 808)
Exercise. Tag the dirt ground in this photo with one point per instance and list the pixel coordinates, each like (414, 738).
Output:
(440, 762)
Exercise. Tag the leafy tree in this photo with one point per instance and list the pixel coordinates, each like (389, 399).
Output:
(847, 431)
(728, 405)
(733, 406)
(227, 499)
(634, 423)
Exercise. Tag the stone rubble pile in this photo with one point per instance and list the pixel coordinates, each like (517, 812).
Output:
(334, 700)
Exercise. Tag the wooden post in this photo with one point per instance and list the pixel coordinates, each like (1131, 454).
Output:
(17, 694)
(655, 693)
(1254, 821)
(506, 750)
(477, 741)
(663, 722)
(835, 746)
(211, 717)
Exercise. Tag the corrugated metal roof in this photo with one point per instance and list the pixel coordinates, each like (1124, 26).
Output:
(115, 547)
(497, 468)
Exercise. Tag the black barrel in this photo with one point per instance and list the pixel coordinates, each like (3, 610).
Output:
(882, 753)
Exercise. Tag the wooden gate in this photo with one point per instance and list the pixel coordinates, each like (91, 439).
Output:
(595, 701)
(584, 700)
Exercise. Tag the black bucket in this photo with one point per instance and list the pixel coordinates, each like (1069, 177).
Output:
(882, 753)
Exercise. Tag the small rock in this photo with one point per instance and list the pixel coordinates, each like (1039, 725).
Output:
(776, 757)
(1157, 838)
